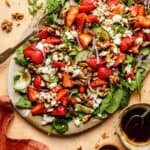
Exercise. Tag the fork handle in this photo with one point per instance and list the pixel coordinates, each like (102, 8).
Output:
(5, 55)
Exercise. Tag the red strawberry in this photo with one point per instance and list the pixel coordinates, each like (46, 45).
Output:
(127, 43)
(43, 34)
(71, 15)
(98, 82)
(61, 93)
(86, 8)
(85, 39)
(59, 111)
(32, 94)
(34, 55)
(80, 20)
(104, 72)
(141, 35)
(148, 36)
(38, 109)
(112, 2)
(138, 10)
(120, 59)
(58, 64)
(85, 2)
(92, 62)
(37, 82)
(131, 75)
(135, 49)
(92, 19)
(53, 40)
(82, 89)
(66, 80)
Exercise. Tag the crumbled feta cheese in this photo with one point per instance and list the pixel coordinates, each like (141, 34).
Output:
(54, 103)
(103, 53)
(139, 40)
(115, 49)
(108, 22)
(127, 33)
(71, 35)
(129, 80)
(117, 39)
(47, 96)
(46, 70)
(47, 61)
(77, 122)
(57, 33)
(47, 119)
(116, 18)
(109, 30)
(52, 85)
(147, 31)
(128, 69)
(97, 102)
(40, 46)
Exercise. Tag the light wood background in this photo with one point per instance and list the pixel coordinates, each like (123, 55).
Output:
(21, 129)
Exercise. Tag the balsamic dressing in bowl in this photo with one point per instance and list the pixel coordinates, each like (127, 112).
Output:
(108, 147)
(137, 130)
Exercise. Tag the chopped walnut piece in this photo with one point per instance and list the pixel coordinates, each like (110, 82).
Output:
(17, 16)
(7, 2)
(114, 79)
(97, 146)
(102, 91)
(86, 118)
(104, 135)
(6, 26)
(79, 148)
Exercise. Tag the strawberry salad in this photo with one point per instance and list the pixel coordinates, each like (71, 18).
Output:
(85, 62)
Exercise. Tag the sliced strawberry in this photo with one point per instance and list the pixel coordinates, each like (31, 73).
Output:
(141, 35)
(71, 15)
(104, 72)
(135, 49)
(148, 37)
(85, 2)
(58, 64)
(37, 81)
(131, 75)
(43, 34)
(80, 20)
(53, 40)
(120, 59)
(59, 111)
(98, 82)
(92, 19)
(127, 43)
(66, 80)
(57, 88)
(64, 100)
(61, 94)
(33, 94)
(38, 109)
(86, 8)
(112, 2)
(34, 55)
(72, 101)
(82, 89)
(138, 10)
(93, 63)
(85, 39)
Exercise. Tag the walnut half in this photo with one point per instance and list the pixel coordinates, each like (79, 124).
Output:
(7, 26)
(17, 16)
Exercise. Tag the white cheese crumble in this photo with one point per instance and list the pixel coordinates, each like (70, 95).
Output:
(77, 122)
(147, 31)
(117, 39)
(52, 85)
(54, 103)
(128, 69)
(47, 119)
(127, 33)
(103, 53)
(47, 96)
(110, 64)
(139, 40)
(97, 102)
(71, 35)
(57, 56)
(46, 70)
(116, 18)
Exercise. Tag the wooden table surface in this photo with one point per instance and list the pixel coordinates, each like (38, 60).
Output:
(21, 129)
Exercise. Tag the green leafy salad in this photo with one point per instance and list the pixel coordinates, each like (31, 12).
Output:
(85, 62)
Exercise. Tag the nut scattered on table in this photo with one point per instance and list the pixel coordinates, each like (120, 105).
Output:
(7, 26)
(17, 16)
(105, 136)
(7, 2)
(79, 148)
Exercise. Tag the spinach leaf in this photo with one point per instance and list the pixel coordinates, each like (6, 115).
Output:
(115, 101)
(125, 98)
(60, 125)
(127, 2)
